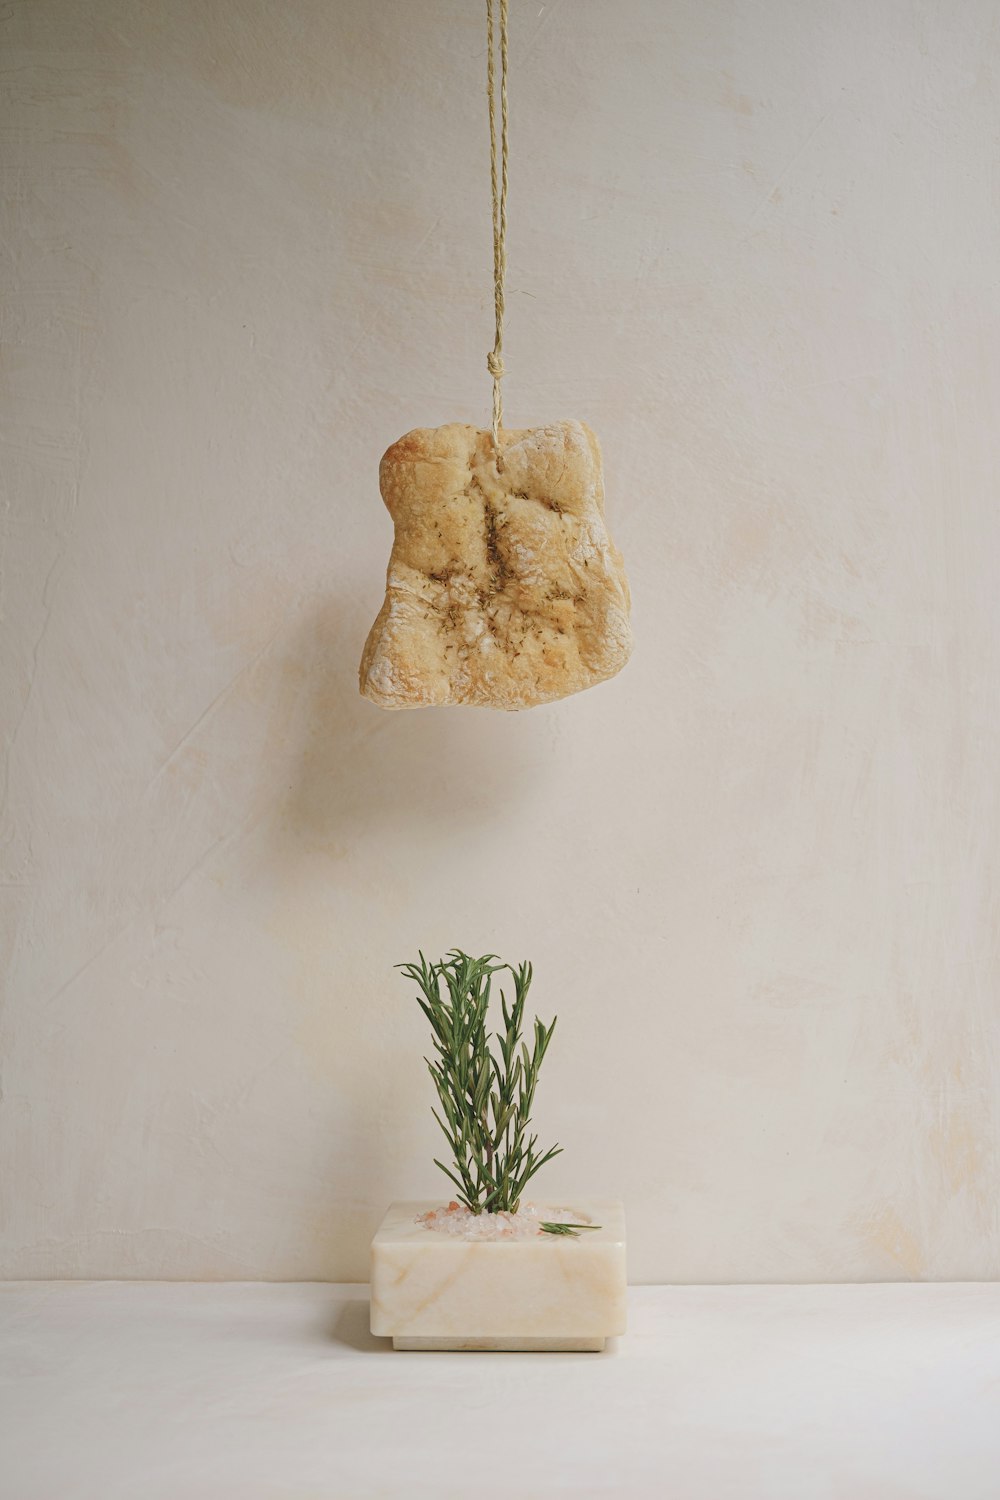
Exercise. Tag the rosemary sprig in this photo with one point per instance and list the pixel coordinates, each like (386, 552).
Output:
(485, 1096)
(570, 1229)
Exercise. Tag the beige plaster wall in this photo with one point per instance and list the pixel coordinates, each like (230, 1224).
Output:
(756, 246)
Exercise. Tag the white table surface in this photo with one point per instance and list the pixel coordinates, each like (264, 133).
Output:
(236, 1391)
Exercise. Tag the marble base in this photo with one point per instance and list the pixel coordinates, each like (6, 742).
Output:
(504, 1346)
(431, 1291)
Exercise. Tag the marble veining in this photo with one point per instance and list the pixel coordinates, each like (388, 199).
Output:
(430, 1290)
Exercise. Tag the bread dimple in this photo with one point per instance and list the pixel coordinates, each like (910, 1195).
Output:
(504, 588)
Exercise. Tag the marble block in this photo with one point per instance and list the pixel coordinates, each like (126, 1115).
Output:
(432, 1291)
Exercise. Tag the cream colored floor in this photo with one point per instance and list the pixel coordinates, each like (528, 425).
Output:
(174, 1391)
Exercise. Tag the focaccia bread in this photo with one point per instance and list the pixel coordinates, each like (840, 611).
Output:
(504, 589)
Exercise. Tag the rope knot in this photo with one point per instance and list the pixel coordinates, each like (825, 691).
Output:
(495, 365)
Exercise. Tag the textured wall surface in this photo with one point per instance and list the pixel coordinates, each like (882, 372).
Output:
(754, 243)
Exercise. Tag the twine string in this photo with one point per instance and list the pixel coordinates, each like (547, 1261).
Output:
(498, 189)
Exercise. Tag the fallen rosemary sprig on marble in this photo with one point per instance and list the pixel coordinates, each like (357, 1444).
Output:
(573, 1229)
(485, 1095)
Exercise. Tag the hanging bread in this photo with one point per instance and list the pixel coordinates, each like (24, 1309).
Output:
(504, 589)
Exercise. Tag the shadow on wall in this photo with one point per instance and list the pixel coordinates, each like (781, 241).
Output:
(423, 773)
(376, 805)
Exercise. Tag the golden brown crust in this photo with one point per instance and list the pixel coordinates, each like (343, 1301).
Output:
(504, 589)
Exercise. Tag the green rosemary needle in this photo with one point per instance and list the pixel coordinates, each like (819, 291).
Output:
(571, 1229)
